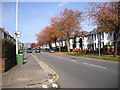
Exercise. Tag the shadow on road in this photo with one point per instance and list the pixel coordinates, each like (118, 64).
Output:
(26, 57)
(73, 58)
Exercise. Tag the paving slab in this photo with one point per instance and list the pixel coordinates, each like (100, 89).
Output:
(27, 74)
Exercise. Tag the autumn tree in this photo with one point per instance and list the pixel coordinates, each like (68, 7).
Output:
(70, 23)
(67, 24)
(57, 30)
(32, 45)
(106, 16)
(41, 38)
(47, 36)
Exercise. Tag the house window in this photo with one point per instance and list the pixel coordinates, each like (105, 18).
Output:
(110, 34)
(103, 44)
(92, 36)
(95, 45)
(100, 45)
(108, 43)
(95, 36)
(102, 35)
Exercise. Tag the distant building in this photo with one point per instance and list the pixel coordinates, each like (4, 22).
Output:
(27, 45)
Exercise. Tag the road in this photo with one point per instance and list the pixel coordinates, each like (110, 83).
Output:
(78, 72)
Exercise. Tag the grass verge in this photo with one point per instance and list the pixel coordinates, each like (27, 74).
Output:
(104, 57)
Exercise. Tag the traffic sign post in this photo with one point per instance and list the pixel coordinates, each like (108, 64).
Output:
(17, 34)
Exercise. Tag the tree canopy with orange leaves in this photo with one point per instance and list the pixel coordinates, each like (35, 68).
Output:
(67, 24)
(106, 16)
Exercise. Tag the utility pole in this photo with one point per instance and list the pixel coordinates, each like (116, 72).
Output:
(16, 26)
(99, 48)
(99, 42)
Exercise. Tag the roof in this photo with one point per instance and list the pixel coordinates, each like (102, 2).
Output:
(2, 29)
(79, 34)
(7, 32)
(83, 33)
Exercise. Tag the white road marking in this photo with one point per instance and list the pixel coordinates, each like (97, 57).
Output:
(50, 80)
(94, 65)
(74, 60)
(98, 60)
(89, 59)
(55, 56)
(59, 57)
(83, 63)
(55, 85)
(44, 86)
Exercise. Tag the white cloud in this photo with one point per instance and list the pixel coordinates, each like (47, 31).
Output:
(61, 4)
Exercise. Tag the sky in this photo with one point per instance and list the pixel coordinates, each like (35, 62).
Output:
(35, 16)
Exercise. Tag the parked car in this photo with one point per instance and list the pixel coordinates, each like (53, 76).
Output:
(37, 50)
(52, 51)
(29, 50)
(44, 50)
(33, 49)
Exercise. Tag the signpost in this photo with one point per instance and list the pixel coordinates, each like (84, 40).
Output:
(17, 34)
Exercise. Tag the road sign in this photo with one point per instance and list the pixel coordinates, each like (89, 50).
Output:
(17, 34)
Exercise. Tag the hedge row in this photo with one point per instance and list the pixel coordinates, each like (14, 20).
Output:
(8, 55)
(8, 49)
(107, 46)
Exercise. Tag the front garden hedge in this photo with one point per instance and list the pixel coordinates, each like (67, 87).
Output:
(8, 49)
(8, 54)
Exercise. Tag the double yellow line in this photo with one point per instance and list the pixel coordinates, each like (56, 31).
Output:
(53, 73)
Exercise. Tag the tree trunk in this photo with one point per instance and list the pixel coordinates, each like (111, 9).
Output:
(68, 45)
(49, 45)
(46, 46)
(59, 47)
(42, 46)
(65, 45)
(115, 44)
(62, 45)
(55, 45)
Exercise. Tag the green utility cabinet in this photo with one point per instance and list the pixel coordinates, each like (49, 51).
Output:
(20, 59)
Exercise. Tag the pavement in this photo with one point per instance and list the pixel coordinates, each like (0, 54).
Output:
(26, 75)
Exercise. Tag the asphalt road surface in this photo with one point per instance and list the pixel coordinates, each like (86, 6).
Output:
(78, 72)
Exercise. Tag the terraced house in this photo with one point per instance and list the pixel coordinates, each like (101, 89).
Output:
(87, 40)
(5, 34)
(101, 39)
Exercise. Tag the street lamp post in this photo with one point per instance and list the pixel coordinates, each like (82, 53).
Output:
(16, 26)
